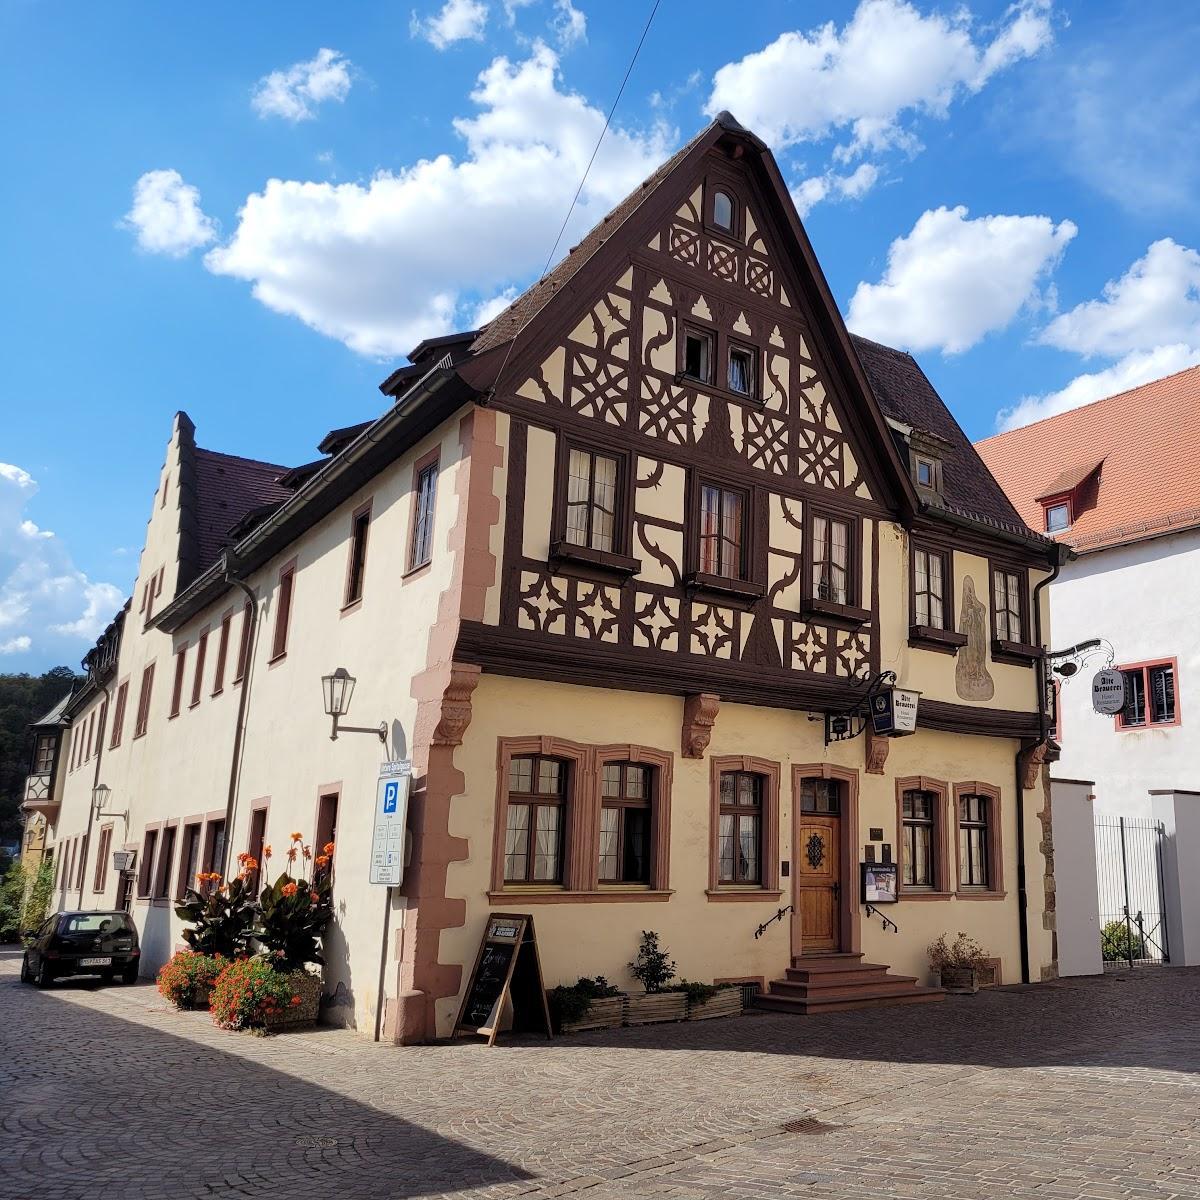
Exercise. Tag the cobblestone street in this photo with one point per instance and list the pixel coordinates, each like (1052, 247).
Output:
(1077, 1089)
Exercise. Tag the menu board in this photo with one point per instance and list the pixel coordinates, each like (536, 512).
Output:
(507, 967)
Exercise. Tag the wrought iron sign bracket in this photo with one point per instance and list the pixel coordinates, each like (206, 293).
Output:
(851, 722)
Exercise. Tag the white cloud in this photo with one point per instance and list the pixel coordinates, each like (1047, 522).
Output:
(1156, 302)
(166, 216)
(953, 280)
(409, 253)
(888, 62)
(294, 92)
(1148, 321)
(47, 605)
(458, 21)
(1131, 371)
(569, 24)
(810, 192)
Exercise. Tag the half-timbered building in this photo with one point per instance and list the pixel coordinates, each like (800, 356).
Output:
(611, 570)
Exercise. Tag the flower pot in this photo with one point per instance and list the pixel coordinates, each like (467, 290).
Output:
(307, 986)
(605, 1012)
(726, 1003)
(963, 980)
(200, 998)
(653, 1007)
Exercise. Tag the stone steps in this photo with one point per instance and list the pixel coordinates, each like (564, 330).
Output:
(837, 982)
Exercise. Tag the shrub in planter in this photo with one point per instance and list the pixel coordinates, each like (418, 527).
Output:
(187, 979)
(249, 992)
(220, 914)
(960, 965)
(705, 1000)
(293, 912)
(654, 970)
(586, 1004)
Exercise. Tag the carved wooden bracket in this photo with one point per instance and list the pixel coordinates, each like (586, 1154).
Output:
(699, 717)
(877, 752)
(1030, 762)
(456, 704)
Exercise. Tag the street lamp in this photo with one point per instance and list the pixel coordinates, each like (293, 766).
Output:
(337, 689)
(101, 794)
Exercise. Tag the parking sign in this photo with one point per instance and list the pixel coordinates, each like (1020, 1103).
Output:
(391, 818)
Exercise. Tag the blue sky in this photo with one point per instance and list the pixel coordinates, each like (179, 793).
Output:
(251, 211)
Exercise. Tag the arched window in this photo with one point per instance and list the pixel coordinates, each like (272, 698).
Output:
(723, 211)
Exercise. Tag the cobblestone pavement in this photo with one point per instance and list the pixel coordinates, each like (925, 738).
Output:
(1085, 1088)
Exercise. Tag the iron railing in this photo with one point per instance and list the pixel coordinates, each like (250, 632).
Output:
(1133, 929)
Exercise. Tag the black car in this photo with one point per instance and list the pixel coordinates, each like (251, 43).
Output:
(82, 943)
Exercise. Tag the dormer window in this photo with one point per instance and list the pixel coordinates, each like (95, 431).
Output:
(926, 472)
(723, 211)
(1058, 517)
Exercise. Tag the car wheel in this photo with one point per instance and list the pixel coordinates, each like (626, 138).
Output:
(45, 976)
(130, 974)
(26, 973)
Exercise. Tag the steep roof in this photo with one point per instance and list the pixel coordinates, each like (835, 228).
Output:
(55, 715)
(227, 489)
(1132, 458)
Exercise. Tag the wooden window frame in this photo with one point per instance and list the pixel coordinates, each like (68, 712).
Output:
(1016, 651)
(736, 810)
(285, 603)
(168, 842)
(145, 695)
(103, 845)
(1145, 668)
(720, 182)
(322, 832)
(427, 462)
(1066, 500)
(851, 613)
(740, 591)
(259, 808)
(244, 640)
(739, 345)
(356, 557)
(617, 562)
(177, 682)
(534, 801)
(208, 847)
(198, 677)
(941, 888)
(946, 640)
(688, 327)
(145, 878)
(622, 803)
(768, 887)
(43, 764)
(91, 734)
(192, 829)
(581, 865)
(222, 653)
(122, 703)
(995, 843)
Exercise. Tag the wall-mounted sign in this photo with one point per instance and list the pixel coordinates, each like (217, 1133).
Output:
(123, 860)
(507, 967)
(894, 711)
(391, 820)
(1108, 691)
(879, 883)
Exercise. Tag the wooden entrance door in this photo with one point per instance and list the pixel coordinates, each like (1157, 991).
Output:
(818, 859)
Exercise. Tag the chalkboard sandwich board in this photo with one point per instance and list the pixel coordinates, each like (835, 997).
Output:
(507, 966)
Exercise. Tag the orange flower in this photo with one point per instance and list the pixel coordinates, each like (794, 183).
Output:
(266, 851)
(327, 848)
(297, 837)
(249, 863)
(291, 854)
(289, 890)
(315, 897)
(296, 1000)
(322, 860)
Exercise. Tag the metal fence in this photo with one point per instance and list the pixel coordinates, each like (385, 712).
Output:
(1133, 930)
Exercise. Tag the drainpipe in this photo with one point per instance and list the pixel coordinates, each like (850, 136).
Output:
(235, 759)
(87, 837)
(1043, 733)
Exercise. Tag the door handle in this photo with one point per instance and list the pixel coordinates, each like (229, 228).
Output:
(836, 888)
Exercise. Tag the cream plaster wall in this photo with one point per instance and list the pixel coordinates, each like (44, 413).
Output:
(716, 939)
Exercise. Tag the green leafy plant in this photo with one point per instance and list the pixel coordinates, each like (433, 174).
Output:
(962, 954)
(24, 898)
(247, 992)
(220, 914)
(187, 977)
(697, 993)
(1118, 944)
(293, 912)
(653, 967)
(569, 1003)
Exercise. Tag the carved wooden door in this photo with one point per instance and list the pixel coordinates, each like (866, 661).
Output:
(818, 881)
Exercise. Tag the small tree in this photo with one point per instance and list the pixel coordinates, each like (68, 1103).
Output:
(24, 898)
(652, 968)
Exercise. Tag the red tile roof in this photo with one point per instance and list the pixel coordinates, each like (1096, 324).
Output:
(1132, 458)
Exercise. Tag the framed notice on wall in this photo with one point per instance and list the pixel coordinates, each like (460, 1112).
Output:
(879, 883)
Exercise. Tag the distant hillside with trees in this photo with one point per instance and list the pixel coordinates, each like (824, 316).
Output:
(23, 698)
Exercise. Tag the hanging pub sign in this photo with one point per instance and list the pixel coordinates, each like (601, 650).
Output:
(879, 883)
(507, 967)
(1108, 691)
(894, 711)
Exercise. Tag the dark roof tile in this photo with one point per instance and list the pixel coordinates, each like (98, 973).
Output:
(227, 489)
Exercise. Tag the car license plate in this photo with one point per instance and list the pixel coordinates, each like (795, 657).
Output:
(95, 962)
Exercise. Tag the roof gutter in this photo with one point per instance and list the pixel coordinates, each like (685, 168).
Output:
(239, 558)
(1030, 541)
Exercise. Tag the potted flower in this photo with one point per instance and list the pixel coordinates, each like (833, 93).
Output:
(586, 1004)
(293, 913)
(654, 970)
(220, 914)
(187, 979)
(960, 966)
(250, 994)
(707, 1000)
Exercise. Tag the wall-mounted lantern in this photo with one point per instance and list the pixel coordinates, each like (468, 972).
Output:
(337, 689)
(101, 794)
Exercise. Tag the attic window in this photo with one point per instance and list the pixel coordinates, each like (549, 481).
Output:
(926, 471)
(1058, 517)
(722, 211)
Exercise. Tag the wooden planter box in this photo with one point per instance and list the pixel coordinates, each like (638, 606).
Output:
(307, 986)
(607, 1012)
(726, 1003)
(653, 1007)
(965, 980)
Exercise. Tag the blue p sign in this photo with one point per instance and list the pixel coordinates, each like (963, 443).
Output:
(391, 793)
